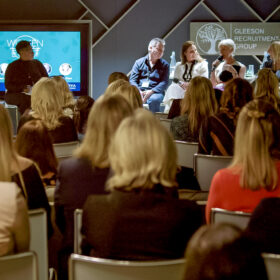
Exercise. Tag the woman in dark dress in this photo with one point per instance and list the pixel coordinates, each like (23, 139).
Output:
(86, 172)
(142, 217)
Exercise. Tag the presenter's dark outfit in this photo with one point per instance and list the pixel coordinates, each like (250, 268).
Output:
(19, 74)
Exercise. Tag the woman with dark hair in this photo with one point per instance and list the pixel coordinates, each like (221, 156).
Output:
(191, 65)
(81, 113)
(220, 252)
(33, 142)
(217, 133)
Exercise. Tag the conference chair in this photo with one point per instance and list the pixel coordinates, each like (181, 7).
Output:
(78, 214)
(39, 240)
(205, 166)
(185, 151)
(166, 123)
(14, 115)
(272, 264)
(237, 218)
(19, 266)
(89, 268)
(65, 150)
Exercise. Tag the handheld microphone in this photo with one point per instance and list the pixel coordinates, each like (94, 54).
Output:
(217, 62)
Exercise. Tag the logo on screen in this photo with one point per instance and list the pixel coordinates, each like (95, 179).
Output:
(36, 44)
(207, 37)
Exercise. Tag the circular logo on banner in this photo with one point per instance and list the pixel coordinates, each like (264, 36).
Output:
(208, 36)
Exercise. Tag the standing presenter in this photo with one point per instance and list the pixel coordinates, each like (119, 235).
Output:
(21, 75)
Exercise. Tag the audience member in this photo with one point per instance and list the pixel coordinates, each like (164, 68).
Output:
(272, 58)
(117, 76)
(264, 225)
(191, 65)
(227, 48)
(150, 75)
(81, 113)
(87, 171)
(46, 105)
(254, 172)
(33, 141)
(21, 75)
(112, 87)
(217, 133)
(129, 92)
(14, 225)
(22, 171)
(198, 104)
(267, 87)
(220, 252)
(68, 101)
(141, 218)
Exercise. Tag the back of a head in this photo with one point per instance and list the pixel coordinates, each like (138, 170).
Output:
(111, 89)
(257, 145)
(104, 119)
(142, 154)
(7, 153)
(225, 76)
(237, 93)
(33, 141)
(131, 94)
(267, 86)
(117, 76)
(220, 252)
(64, 91)
(81, 112)
(199, 102)
(275, 48)
(46, 102)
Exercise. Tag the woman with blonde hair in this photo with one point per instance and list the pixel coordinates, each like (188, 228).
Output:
(142, 212)
(68, 100)
(23, 171)
(272, 58)
(191, 65)
(255, 169)
(46, 104)
(86, 172)
(267, 87)
(129, 92)
(217, 133)
(198, 104)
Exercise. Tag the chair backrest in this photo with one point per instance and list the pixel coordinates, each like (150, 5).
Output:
(237, 218)
(39, 240)
(205, 166)
(89, 268)
(166, 123)
(14, 115)
(272, 264)
(19, 266)
(65, 150)
(160, 115)
(78, 215)
(186, 150)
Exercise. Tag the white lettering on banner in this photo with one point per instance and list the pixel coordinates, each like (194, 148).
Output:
(246, 46)
(255, 38)
(248, 31)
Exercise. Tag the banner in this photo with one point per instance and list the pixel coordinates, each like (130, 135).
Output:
(251, 38)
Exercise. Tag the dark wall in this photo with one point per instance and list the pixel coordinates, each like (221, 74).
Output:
(123, 28)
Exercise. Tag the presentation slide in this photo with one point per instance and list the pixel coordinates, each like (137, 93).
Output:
(59, 51)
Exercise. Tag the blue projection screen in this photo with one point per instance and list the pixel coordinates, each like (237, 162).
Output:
(59, 51)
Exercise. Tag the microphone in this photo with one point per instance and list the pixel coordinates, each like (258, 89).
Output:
(217, 62)
(176, 81)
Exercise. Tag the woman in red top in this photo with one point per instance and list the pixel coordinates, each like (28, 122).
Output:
(253, 174)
